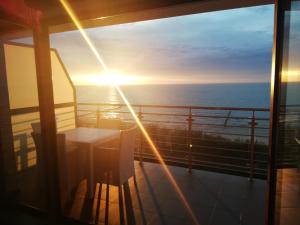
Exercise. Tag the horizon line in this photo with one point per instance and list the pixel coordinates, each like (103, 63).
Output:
(194, 83)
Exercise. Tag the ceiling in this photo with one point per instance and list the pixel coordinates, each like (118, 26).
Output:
(111, 12)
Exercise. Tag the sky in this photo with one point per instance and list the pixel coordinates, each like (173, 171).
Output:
(217, 47)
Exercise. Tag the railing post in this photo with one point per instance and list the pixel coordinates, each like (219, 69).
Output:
(140, 115)
(252, 147)
(297, 139)
(298, 153)
(189, 140)
(97, 117)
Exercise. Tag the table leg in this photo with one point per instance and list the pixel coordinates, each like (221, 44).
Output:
(90, 180)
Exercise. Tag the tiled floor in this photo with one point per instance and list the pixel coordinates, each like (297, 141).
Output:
(215, 199)
(288, 197)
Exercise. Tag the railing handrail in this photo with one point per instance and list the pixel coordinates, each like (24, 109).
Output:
(178, 115)
(178, 106)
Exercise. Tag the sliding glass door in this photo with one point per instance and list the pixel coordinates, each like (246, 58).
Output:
(285, 145)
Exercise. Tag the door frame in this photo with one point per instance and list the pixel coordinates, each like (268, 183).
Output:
(275, 96)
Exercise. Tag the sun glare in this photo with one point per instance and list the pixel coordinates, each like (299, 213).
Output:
(139, 123)
(290, 76)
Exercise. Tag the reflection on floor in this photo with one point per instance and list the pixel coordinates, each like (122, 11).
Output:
(216, 199)
(288, 197)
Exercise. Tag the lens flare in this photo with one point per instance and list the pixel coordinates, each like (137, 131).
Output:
(139, 123)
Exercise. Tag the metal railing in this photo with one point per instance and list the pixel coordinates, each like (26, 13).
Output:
(224, 139)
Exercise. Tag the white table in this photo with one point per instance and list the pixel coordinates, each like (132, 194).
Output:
(91, 137)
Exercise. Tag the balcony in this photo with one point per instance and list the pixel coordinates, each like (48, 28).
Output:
(217, 155)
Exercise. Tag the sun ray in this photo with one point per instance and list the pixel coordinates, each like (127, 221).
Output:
(139, 123)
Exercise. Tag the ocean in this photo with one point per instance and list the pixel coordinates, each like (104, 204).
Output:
(228, 95)
(248, 95)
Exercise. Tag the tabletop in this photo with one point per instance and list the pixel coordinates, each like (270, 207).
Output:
(88, 135)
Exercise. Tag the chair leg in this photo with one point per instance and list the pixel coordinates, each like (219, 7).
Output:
(107, 199)
(128, 203)
(139, 200)
(134, 179)
(98, 204)
(121, 209)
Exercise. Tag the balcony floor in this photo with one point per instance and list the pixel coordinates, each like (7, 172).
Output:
(216, 199)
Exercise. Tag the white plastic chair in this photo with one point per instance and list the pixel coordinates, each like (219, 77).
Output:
(118, 159)
(115, 165)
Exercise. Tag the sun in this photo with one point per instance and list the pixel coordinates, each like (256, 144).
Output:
(112, 78)
(109, 78)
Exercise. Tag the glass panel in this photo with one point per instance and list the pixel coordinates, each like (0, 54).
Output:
(24, 108)
(288, 157)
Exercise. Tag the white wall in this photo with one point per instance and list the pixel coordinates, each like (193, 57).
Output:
(23, 93)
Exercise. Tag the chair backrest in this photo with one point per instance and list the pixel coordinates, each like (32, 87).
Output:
(86, 122)
(36, 127)
(62, 166)
(37, 138)
(109, 123)
(126, 157)
(38, 146)
(61, 147)
(40, 162)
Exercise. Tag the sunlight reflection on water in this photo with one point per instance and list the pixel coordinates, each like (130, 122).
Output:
(113, 98)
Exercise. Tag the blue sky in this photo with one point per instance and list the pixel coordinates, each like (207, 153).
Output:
(224, 46)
